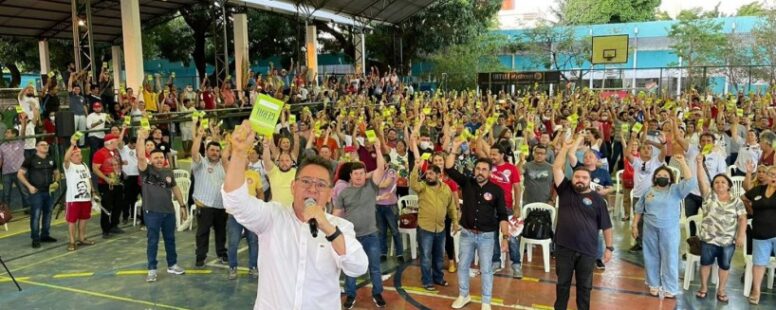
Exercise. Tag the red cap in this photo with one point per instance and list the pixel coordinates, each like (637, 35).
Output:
(350, 149)
(110, 137)
(97, 105)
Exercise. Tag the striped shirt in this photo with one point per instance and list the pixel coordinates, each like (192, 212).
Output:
(208, 178)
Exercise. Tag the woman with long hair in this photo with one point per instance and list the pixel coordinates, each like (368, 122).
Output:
(660, 208)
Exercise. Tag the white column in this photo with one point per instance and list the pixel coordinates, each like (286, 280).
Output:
(241, 62)
(43, 52)
(133, 45)
(116, 64)
(679, 79)
(360, 59)
(635, 59)
(311, 50)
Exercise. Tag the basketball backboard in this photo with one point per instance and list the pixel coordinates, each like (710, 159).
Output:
(611, 49)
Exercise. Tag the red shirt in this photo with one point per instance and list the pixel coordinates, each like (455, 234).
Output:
(209, 99)
(451, 184)
(331, 143)
(109, 161)
(505, 175)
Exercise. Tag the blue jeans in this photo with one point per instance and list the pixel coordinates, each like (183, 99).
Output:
(761, 251)
(483, 243)
(661, 257)
(432, 254)
(386, 219)
(164, 222)
(40, 206)
(234, 232)
(8, 181)
(721, 254)
(371, 245)
(601, 246)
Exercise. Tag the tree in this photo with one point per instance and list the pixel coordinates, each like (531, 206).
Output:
(556, 47)
(442, 24)
(170, 40)
(698, 41)
(461, 62)
(583, 12)
(764, 49)
(21, 55)
(752, 9)
(200, 17)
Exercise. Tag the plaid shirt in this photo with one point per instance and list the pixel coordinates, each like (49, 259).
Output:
(12, 155)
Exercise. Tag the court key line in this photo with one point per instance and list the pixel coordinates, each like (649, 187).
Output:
(96, 294)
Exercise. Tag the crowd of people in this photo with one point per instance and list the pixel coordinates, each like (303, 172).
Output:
(472, 160)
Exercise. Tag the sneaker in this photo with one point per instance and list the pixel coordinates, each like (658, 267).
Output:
(253, 272)
(151, 277)
(461, 301)
(35, 244)
(496, 267)
(400, 258)
(485, 307)
(379, 301)
(349, 303)
(599, 264)
(48, 239)
(430, 288)
(517, 271)
(232, 273)
(200, 264)
(175, 269)
(223, 261)
(635, 248)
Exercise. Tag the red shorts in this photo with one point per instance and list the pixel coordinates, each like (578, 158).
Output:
(79, 210)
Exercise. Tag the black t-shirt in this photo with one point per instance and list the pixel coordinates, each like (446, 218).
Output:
(580, 217)
(40, 171)
(156, 189)
(483, 207)
(764, 213)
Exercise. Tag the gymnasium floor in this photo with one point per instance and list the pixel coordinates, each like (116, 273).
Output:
(110, 275)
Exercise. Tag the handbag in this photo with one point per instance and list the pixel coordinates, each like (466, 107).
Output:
(5, 214)
(694, 245)
(408, 220)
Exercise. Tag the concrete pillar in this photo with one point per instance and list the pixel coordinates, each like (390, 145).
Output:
(360, 59)
(116, 62)
(311, 49)
(133, 45)
(43, 52)
(241, 62)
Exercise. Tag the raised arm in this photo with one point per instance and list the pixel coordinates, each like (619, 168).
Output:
(378, 173)
(703, 178)
(142, 162)
(558, 167)
(572, 151)
(200, 133)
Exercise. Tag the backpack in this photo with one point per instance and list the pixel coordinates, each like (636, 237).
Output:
(538, 225)
(5, 214)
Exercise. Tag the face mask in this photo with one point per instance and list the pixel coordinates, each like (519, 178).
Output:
(425, 145)
(52, 118)
(662, 181)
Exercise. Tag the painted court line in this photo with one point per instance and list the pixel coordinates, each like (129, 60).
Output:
(73, 275)
(101, 295)
(475, 299)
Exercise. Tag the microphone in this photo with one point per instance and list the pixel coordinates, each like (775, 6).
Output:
(308, 203)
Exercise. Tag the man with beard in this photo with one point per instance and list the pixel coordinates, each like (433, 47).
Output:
(581, 214)
(482, 213)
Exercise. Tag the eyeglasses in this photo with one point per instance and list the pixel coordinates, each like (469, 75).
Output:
(308, 182)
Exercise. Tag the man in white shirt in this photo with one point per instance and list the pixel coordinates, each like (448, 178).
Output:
(298, 271)
(644, 167)
(714, 162)
(96, 121)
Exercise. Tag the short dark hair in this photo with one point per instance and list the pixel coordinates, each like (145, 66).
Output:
(343, 173)
(484, 160)
(213, 143)
(582, 168)
(436, 169)
(314, 161)
(671, 176)
(710, 135)
(156, 150)
(356, 165)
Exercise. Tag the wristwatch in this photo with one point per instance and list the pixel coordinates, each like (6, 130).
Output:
(334, 235)
(610, 248)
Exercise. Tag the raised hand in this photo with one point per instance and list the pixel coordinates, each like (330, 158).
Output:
(242, 138)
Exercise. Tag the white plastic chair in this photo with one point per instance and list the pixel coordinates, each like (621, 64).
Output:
(179, 173)
(748, 274)
(409, 204)
(731, 169)
(695, 260)
(545, 243)
(138, 204)
(738, 186)
(677, 174)
(619, 196)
